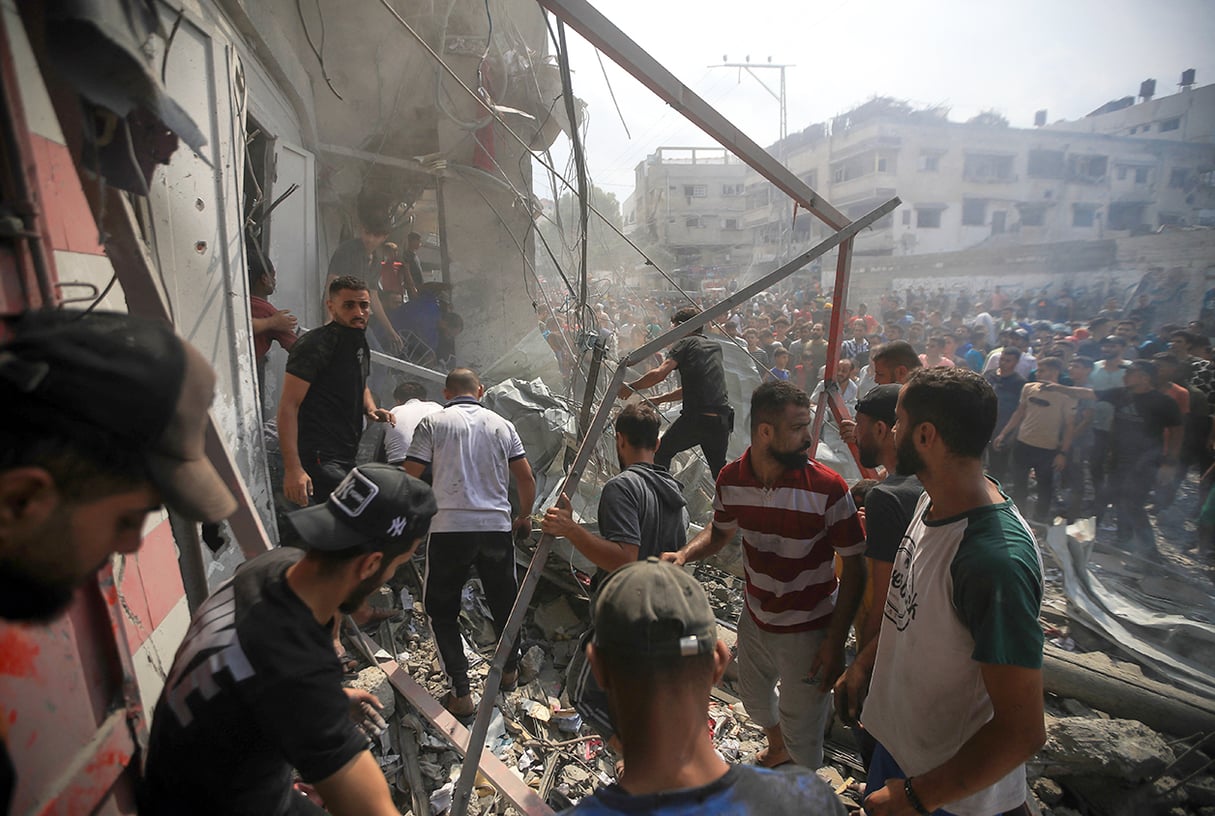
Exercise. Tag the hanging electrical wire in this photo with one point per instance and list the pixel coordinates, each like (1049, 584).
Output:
(319, 52)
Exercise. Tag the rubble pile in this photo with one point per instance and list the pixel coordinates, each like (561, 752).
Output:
(534, 731)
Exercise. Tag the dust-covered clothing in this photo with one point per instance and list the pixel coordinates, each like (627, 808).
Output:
(964, 591)
(1046, 411)
(399, 436)
(255, 690)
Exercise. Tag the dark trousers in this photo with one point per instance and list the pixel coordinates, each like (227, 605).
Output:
(449, 559)
(1075, 475)
(1098, 461)
(326, 474)
(1130, 483)
(711, 433)
(884, 767)
(1042, 462)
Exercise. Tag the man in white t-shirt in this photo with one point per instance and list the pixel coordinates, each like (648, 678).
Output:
(411, 406)
(473, 453)
(955, 701)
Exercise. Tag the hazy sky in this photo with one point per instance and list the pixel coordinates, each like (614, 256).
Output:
(1067, 56)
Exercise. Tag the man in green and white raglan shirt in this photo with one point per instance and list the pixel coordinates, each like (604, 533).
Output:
(955, 701)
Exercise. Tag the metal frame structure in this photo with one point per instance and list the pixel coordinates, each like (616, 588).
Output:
(604, 35)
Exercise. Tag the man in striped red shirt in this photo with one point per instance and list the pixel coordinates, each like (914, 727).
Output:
(795, 515)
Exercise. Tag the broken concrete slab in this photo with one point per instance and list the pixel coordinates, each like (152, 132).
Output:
(1120, 749)
(374, 680)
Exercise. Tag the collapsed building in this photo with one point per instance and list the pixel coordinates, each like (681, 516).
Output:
(285, 113)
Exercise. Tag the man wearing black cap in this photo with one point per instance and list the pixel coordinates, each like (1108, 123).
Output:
(656, 653)
(255, 689)
(104, 418)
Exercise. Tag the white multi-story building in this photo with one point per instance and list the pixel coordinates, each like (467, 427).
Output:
(1125, 169)
(690, 200)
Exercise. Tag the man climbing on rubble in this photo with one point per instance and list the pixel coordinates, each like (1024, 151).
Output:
(655, 651)
(325, 397)
(105, 418)
(473, 453)
(255, 689)
(707, 418)
(795, 515)
(955, 701)
(642, 513)
(363, 257)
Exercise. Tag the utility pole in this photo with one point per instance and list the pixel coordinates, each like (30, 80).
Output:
(786, 214)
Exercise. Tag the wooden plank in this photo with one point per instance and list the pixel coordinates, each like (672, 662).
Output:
(525, 799)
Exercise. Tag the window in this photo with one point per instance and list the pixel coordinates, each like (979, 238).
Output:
(1133, 131)
(1141, 175)
(1091, 169)
(974, 212)
(928, 218)
(837, 174)
(1178, 178)
(1084, 215)
(731, 224)
(1122, 172)
(930, 162)
(987, 167)
(881, 164)
(732, 190)
(1147, 128)
(692, 222)
(906, 218)
(695, 190)
(1032, 215)
(811, 178)
(1170, 124)
(1047, 164)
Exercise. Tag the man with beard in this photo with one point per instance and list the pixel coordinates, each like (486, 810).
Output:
(105, 418)
(889, 507)
(707, 418)
(795, 516)
(325, 397)
(955, 701)
(642, 513)
(255, 690)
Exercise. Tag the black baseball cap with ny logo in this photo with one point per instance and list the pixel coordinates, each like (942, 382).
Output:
(375, 503)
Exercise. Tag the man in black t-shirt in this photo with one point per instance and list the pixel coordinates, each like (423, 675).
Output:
(707, 418)
(325, 397)
(889, 507)
(255, 689)
(1145, 440)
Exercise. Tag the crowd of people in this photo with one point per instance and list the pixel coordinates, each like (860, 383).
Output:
(946, 688)
(1078, 375)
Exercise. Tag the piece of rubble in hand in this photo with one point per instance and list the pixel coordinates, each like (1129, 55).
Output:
(374, 679)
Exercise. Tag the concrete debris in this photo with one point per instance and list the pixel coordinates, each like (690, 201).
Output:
(1048, 791)
(374, 680)
(558, 621)
(1121, 749)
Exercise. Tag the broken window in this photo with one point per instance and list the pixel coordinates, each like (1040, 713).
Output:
(1084, 215)
(1088, 169)
(928, 217)
(1126, 216)
(974, 212)
(1170, 124)
(929, 162)
(1047, 164)
(1178, 178)
(987, 167)
(1032, 215)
